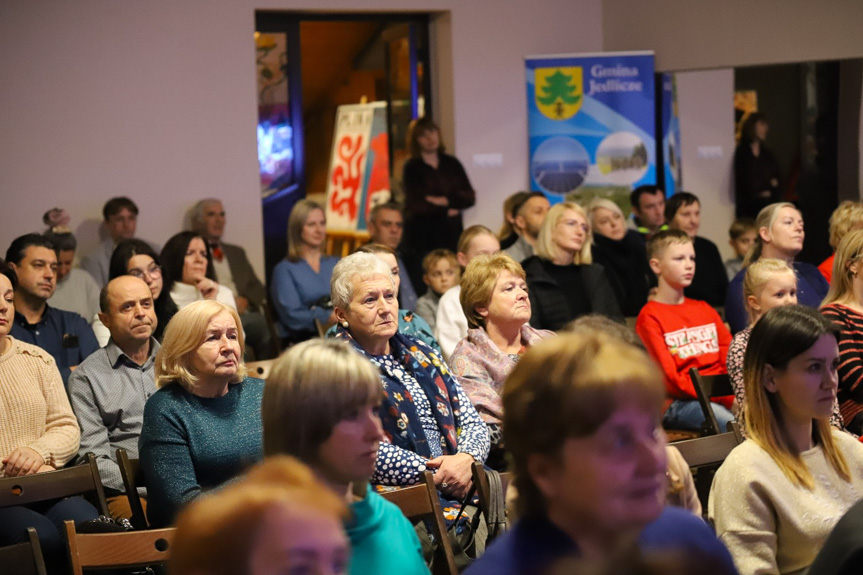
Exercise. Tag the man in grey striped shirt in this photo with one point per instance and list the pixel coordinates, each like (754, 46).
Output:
(109, 389)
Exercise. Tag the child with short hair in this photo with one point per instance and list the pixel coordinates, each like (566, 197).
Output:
(440, 272)
(741, 236)
(682, 333)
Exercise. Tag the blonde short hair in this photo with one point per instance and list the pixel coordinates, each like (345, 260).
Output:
(844, 218)
(766, 218)
(468, 235)
(568, 386)
(545, 246)
(478, 281)
(184, 335)
(605, 204)
(849, 251)
(758, 274)
(660, 241)
(296, 221)
(324, 377)
(216, 532)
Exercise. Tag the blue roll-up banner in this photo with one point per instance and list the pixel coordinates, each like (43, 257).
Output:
(591, 124)
(670, 122)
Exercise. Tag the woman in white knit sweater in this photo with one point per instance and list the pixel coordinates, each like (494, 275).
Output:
(779, 494)
(38, 432)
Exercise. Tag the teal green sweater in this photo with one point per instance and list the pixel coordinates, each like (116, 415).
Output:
(191, 444)
(383, 541)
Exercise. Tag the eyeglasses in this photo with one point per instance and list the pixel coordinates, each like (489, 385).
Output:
(155, 270)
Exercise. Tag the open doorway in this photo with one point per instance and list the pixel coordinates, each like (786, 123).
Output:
(307, 66)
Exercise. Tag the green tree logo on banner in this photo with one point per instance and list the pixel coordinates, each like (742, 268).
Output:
(558, 91)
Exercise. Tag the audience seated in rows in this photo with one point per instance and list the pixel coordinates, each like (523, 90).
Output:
(620, 251)
(682, 333)
(440, 272)
(276, 519)
(563, 280)
(495, 302)
(428, 421)
(683, 212)
(233, 270)
(301, 283)
(778, 495)
(780, 236)
(528, 213)
(847, 217)
(120, 222)
(451, 323)
(203, 426)
(340, 444)
(109, 389)
(844, 306)
(38, 433)
(65, 335)
(76, 290)
(386, 226)
(582, 424)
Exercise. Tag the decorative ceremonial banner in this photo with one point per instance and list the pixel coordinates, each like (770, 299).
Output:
(670, 121)
(359, 166)
(591, 124)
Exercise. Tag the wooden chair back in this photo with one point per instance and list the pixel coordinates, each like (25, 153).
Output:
(78, 480)
(269, 315)
(422, 502)
(129, 549)
(23, 558)
(708, 450)
(133, 478)
(707, 386)
(260, 369)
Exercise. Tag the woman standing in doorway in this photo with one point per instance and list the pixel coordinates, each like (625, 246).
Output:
(436, 188)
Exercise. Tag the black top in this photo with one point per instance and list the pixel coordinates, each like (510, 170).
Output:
(756, 180)
(427, 226)
(625, 263)
(568, 277)
(710, 282)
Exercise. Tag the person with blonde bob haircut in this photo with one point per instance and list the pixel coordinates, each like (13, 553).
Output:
(780, 236)
(778, 495)
(301, 283)
(844, 306)
(847, 216)
(564, 282)
(276, 519)
(495, 301)
(620, 250)
(203, 425)
(340, 443)
(582, 423)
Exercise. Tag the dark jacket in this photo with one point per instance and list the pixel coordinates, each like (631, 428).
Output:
(625, 263)
(549, 308)
(248, 284)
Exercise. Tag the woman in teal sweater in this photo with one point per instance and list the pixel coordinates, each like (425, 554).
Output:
(202, 427)
(340, 443)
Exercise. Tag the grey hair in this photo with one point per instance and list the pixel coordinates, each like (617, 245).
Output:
(196, 215)
(358, 266)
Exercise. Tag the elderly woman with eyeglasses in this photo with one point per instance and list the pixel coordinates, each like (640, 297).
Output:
(428, 421)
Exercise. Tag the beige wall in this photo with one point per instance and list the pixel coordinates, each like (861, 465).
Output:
(156, 100)
(691, 35)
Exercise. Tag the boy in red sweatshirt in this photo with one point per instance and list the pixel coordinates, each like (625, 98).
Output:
(680, 333)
